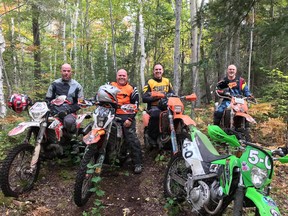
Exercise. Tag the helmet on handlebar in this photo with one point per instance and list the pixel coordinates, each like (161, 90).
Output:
(107, 93)
(19, 102)
(162, 103)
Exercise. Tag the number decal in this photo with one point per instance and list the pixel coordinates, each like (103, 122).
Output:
(253, 157)
(188, 154)
(268, 166)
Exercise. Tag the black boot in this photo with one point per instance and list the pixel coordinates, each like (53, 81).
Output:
(217, 118)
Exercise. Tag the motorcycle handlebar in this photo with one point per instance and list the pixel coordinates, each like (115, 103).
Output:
(281, 151)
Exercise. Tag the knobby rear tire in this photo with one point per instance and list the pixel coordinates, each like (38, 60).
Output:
(15, 178)
(83, 182)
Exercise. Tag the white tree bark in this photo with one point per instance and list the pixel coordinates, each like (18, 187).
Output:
(142, 41)
(194, 40)
(113, 36)
(2, 98)
(178, 10)
(75, 38)
(15, 72)
(106, 59)
(64, 33)
(251, 48)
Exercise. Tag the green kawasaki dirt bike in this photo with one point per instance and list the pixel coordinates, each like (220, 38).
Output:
(209, 182)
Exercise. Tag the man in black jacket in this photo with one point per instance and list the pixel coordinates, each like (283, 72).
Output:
(73, 90)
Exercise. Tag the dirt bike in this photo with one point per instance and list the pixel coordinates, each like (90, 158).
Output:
(20, 169)
(209, 182)
(104, 145)
(173, 124)
(235, 117)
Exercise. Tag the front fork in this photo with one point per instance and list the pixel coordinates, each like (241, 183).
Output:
(239, 198)
(37, 148)
(102, 152)
(173, 133)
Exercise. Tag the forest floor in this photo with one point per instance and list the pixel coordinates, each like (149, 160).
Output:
(125, 192)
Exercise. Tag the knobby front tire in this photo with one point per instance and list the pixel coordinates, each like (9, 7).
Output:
(16, 177)
(176, 167)
(83, 182)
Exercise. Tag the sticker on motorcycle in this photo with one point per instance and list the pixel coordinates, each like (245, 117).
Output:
(274, 212)
(244, 166)
(269, 201)
(255, 159)
(191, 151)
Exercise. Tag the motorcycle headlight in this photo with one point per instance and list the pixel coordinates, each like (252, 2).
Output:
(258, 176)
(178, 109)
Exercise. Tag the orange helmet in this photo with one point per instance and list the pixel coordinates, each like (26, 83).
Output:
(19, 102)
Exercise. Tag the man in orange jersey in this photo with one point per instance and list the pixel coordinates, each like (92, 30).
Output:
(129, 95)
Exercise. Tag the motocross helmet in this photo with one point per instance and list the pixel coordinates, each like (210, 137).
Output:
(162, 103)
(107, 93)
(19, 102)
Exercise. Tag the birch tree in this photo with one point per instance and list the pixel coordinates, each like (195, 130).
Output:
(178, 10)
(64, 32)
(113, 36)
(251, 47)
(142, 41)
(75, 23)
(2, 99)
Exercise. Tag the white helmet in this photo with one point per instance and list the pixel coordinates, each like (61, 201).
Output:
(107, 93)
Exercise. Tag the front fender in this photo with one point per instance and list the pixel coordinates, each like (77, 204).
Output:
(246, 116)
(185, 118)
(265, 204)
(93, 136)
(22, 127)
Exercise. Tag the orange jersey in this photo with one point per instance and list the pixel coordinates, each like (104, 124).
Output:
(128, 94)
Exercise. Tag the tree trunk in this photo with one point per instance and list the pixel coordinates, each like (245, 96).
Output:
(2, 98)
(251, 47)
(64, 33)
(36, 42)
(142, 41)
(178, 9)
(75, 23)
(272, 38)
(135, 49)
(194, 29)
(113, 37)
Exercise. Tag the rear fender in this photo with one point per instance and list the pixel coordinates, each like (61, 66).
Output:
(246, 116)
(94, 136)
(22, 127)
(185, 118)
(265, 204)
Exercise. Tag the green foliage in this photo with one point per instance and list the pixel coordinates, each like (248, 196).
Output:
(172, 206)
(276, 92)
(96, 209)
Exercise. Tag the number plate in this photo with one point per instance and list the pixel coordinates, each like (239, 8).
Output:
(239, 100)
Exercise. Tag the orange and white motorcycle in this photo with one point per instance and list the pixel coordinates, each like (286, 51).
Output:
(174, 125)
(104, 145)
(236, 119)
(20, 169)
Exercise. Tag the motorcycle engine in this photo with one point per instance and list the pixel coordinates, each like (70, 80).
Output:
(198, 193)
